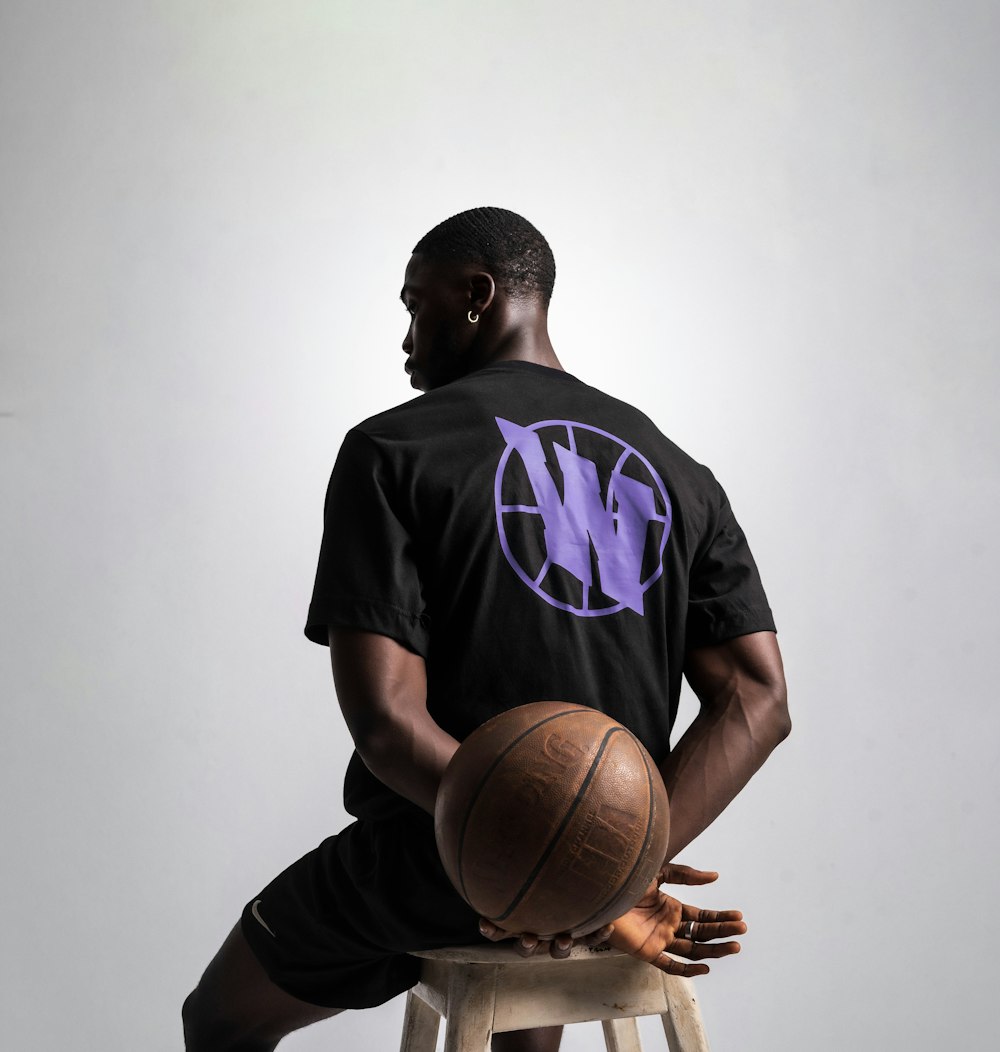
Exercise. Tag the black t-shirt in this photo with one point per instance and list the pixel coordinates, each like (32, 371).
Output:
(533, 539)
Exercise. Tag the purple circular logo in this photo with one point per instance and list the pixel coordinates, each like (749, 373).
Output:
(583, 517)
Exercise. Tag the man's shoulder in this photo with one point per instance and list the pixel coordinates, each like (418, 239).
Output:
(647, 429)
(452, 413)
(395, 419)
(434, 411)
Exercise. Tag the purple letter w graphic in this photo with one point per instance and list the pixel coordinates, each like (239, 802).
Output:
(581, 521)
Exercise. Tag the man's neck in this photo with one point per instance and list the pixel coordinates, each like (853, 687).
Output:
(525, 342)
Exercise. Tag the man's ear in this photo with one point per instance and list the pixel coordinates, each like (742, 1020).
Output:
(482, 291)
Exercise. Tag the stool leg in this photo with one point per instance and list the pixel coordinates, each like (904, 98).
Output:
(682, 1022)
(420, 1026)
(472, 998)
(621, 1035)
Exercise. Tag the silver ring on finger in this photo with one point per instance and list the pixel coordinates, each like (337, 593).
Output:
(688, 931)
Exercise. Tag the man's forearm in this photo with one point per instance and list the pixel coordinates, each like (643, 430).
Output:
(717, 755)
(382, 689)
(409, 758)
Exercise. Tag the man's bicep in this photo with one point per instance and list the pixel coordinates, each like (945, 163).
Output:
(715, 671)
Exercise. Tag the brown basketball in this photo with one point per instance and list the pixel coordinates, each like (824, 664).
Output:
(552, 818)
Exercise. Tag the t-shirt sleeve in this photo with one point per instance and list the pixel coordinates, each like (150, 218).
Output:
(726, 598)
(367, 573)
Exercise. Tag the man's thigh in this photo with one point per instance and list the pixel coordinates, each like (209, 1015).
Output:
(336, 928)
(236, 1008)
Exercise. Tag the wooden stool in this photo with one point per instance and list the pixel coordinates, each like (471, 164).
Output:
(483, 990)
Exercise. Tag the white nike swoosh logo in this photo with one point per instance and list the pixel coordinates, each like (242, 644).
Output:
(260, 920)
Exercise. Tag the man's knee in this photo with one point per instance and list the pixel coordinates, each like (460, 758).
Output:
(207, 1030)
(237, 1008)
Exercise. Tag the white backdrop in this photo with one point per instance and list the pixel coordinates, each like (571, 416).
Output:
(776, 227)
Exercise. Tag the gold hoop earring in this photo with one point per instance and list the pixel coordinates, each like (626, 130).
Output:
(473, 317)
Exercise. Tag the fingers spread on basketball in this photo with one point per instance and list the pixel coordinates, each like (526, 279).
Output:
(529, 945)
(532, 946)
(597, 938)
(490, 931)
(560, 947)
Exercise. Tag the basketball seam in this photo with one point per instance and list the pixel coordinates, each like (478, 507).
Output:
(570, 811)
(649, 826)
(486, 777)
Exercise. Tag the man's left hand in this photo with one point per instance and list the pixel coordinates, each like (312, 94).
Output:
(660, 925)
(529, 945)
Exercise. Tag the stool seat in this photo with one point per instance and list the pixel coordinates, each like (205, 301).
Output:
(487, 989)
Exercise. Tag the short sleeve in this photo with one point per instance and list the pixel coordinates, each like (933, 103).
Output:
(367, 573)
(726, 598)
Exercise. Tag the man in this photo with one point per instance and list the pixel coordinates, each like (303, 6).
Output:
(511, 536)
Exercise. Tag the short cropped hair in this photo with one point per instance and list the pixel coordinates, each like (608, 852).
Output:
(502, 242)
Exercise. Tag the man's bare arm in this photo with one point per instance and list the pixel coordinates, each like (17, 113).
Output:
(743, 716)
(382, 689)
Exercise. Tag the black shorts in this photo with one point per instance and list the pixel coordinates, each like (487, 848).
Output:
(335, 927)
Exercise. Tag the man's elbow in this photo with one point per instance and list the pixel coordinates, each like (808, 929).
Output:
(377, 743)
(774, 720)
